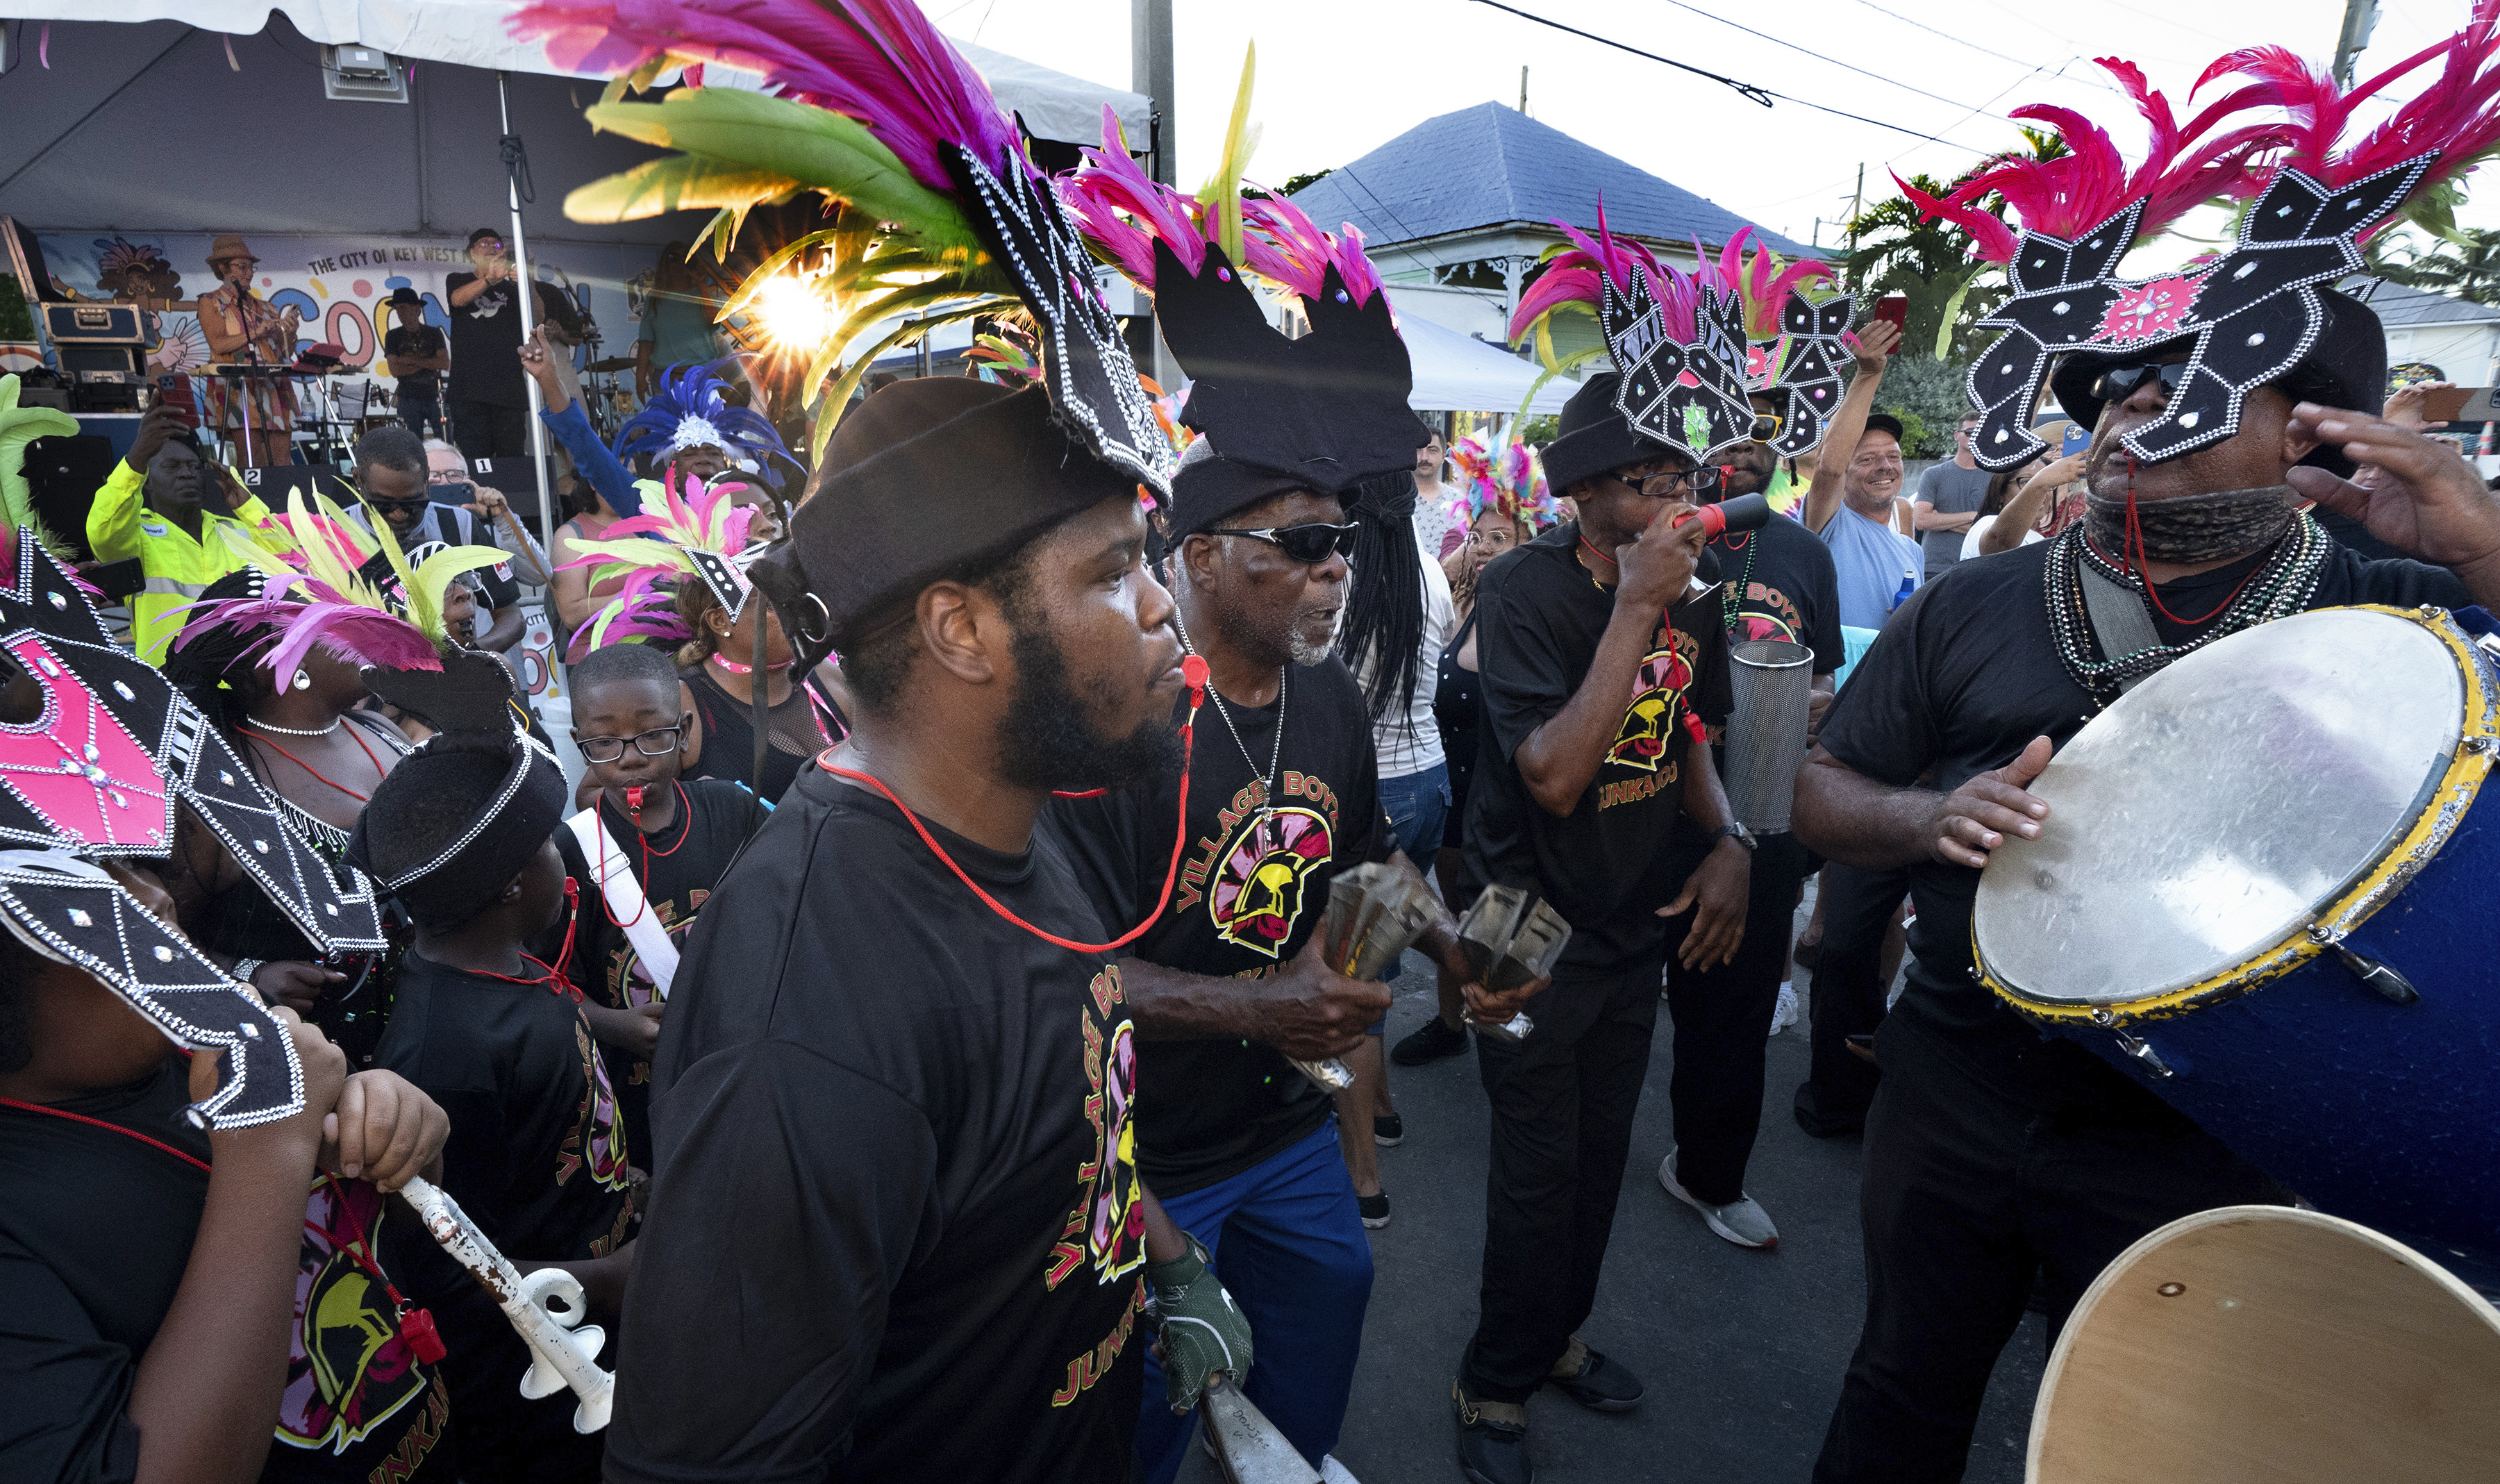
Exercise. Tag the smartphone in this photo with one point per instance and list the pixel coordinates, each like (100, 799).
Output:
(2460, 404)
(2078, 439)
(175, 392)
(1895, 309)
(452, 492)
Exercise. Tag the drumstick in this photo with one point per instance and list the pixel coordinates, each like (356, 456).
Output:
(1248, 1449)
(564, 1351)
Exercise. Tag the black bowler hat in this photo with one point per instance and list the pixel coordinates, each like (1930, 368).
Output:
(405, 295)
(922, 480)
(1595, 437)
(2346, 366)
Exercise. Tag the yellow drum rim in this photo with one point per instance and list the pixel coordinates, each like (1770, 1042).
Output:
(2446, 807)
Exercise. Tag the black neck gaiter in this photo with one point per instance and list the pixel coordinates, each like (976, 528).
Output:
(2191, 528)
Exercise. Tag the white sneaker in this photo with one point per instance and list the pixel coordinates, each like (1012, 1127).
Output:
(1741, 1221)
(1334, 1472)
(1784, 1014)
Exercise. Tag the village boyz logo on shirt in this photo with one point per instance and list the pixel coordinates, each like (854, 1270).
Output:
(1769, 613)
(1106, 1230)
(348, 1371)
(1643, 742)
(594, 1126)
(1258, 873)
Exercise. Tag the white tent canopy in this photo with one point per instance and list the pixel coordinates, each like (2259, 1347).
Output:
(472, 33)
(1457, 373)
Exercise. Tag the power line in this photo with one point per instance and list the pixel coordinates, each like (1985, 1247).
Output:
(1758, 95)
(1974, 46)
(1817, 55)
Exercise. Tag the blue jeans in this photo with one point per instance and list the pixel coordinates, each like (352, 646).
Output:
(1284, 1236)
(1419, 806)
(422, 411)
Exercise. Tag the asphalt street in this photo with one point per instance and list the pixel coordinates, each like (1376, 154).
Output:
(1741, 1351)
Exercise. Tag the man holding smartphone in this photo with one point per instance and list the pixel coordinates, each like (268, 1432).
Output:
(158, 506)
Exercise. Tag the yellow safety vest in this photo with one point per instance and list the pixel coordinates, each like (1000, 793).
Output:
(178, 567)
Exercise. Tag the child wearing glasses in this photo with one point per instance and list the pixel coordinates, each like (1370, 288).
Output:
(645, 854)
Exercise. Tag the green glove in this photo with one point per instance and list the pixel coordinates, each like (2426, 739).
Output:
(1202, 1331)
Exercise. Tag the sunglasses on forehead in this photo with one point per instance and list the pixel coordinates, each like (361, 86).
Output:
(1309, 545)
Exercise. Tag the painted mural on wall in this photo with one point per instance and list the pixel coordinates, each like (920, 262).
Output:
(338, 286)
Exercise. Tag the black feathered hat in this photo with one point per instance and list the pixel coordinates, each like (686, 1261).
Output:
(923, 478)
(516, 790)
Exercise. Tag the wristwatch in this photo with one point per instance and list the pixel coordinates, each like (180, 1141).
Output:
(1737, 833)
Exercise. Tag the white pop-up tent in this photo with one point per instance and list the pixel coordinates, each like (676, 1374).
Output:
(163, 122)
(1457, 373)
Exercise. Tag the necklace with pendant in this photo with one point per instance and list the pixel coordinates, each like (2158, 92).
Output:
(1266, 781)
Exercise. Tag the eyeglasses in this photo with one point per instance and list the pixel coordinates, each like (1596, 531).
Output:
(1767, 425)
(607, 750)
(487, 243)
(412, 505)
(1964, 432)
(2119, 382)
(1665, 486)
(1309, 545)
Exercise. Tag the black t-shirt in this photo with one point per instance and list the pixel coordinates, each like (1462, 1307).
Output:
(1252, 888)
(896, 1232)
(1964, 677)
(95, 1232)
(679, 867)
(487, 339)
(1608, 865)
(1780, 583)
(424, 341)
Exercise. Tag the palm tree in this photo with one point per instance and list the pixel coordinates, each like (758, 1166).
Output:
(2466, 266)
(1932, 262)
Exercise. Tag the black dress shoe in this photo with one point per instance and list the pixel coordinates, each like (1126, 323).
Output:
(1601, 1386)
(1493, 1449)
(1432, 1042)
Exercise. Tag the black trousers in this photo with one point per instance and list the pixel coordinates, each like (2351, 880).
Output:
(1563, 1104)
(485, 430)
(1857, 906)
(1722, 1024)
(1968, 1192)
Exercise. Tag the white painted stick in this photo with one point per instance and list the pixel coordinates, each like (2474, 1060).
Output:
(564, 1351)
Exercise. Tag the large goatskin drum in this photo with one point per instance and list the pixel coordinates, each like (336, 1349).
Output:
(2263, 892)
(2264, 1345)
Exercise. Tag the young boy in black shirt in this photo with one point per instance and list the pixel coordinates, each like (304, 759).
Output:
(662, 845)
(537, 1156)
(153, 1275)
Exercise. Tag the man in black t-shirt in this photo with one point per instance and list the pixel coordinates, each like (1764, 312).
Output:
(490, 403)
(417, 355)
(1992, 1154)
(896, 1229)
(1284, 793)
(1775, 584)
(1601, 666)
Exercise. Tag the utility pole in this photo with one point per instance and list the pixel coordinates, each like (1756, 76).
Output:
(1150, 72)
(1856, 202)
(1522, 87)
(2360, 18)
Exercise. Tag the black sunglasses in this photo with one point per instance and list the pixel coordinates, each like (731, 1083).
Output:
(1309, 545)
(1665, 485)
(2119, 382)
(607, 750)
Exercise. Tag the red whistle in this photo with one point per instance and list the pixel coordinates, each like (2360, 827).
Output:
(634, 800)
(1193, 673)
(1745, 513)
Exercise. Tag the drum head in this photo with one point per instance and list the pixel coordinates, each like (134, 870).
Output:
(2218, 806)
(2261, 1344)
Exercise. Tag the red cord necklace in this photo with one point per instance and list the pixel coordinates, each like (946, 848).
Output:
(553, 975)
(317, 772)
(633, 808)
(1193, 672)
(2135, 560)
(1692, 724)
(192, 1160)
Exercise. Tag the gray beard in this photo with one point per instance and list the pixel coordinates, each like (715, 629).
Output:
(1306, 653)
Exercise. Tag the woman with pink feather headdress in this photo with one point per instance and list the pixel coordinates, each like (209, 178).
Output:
(2228, 400)
(682, 565)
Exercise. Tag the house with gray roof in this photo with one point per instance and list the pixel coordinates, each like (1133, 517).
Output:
(2459, 338)
(1455, 211)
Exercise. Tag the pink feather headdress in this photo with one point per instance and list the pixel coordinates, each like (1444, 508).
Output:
(691, 535)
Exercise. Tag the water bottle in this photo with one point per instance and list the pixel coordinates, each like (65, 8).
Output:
(1909, 586)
